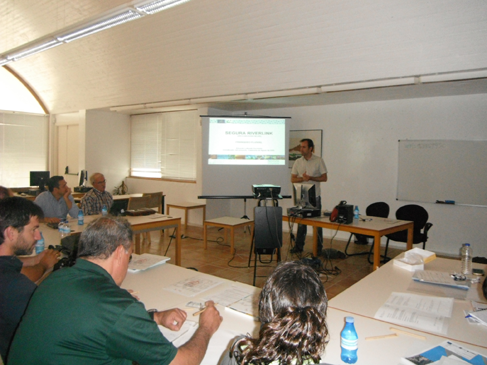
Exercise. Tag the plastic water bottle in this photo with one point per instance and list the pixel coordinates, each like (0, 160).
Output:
(40, 245)
(349, 342)
(104, 210)
(64, 229)
(467, 255)
(356, 213)
(81, 218)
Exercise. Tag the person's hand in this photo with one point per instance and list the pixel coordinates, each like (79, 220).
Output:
(210, 319)
(171, 318)
(52, 220)
(49, 258)
(68, 193)
(306, 177)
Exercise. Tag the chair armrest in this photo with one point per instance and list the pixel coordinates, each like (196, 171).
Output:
(427, 227)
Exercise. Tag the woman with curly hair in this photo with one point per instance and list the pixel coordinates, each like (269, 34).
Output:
(292, 312)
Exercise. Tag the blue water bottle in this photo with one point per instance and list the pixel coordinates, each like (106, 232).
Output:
(104, 210)
(81, 218)
(349, 342)
(356, 213)
(40, 245)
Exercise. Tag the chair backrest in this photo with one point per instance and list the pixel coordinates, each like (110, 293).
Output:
(378, 209)
(155, 200)
(415, 213)
(139, 202)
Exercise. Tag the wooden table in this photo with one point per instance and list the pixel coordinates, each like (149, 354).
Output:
(140, 224)
(227, 223)
(370, 226)
(187, 206)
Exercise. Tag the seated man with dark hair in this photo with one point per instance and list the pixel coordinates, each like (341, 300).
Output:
(292, 311)
(58, 201)
(80, 315)
(19, 232)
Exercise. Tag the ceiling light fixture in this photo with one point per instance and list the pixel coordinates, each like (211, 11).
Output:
(71, 34)
(158, 5)
(101, 25)
(33, 50)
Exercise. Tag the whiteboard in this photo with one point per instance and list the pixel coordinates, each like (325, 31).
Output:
(431, 170)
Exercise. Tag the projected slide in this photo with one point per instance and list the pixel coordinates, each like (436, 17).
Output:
(243, 141)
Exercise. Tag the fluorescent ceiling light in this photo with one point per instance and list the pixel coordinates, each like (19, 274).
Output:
(89, 28)
(34, 50)
(368, 84)
(284, 93)
(452, 76)
(99, 26)
(158, 5)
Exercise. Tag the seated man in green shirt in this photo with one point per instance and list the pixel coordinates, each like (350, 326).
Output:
(80, 315)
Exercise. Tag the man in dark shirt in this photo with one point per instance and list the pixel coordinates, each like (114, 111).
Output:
(80, 315)
(19, 232)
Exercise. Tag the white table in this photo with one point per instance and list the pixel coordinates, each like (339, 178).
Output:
(150, 286)
(369, 294)
(139, 224)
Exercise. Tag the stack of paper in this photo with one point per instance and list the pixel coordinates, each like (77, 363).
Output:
(414, 259)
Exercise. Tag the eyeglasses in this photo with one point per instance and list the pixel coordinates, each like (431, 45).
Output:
(100, 182)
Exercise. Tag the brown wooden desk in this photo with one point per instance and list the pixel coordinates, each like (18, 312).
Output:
(140, 224)
(187, 206)
(376, 227)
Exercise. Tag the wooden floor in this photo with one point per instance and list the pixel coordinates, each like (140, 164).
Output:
(218, 261)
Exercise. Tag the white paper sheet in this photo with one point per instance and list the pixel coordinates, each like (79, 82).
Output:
(416, 311)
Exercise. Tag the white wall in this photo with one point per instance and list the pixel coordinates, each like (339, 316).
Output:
(360, 145)
(176, 191)
(107, 146)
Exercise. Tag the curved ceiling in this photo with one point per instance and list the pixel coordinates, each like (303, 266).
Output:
(210, 48)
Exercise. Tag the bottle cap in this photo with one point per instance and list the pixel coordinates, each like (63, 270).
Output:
(349, 319)
(466, 244)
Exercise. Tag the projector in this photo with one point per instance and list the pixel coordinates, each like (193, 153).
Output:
(266, 191)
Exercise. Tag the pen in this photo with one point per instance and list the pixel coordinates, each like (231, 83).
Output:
(199, 312)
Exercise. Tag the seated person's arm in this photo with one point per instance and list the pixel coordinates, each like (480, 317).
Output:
(193, 351)
(36, 266)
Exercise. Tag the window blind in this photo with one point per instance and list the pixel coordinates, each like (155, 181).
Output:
(163, 145)
(23, 147)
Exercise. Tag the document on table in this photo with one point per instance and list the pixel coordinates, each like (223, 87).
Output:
(171, 336)
(145, 261)
(231, 295)
(417, 311)
(446, 352)
(193, 286)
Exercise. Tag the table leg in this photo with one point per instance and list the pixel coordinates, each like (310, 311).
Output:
(232, 241)
(376, 251)
(137, 243)
(410, 237)
(205, 228)
(204, 214)
(315, 241)
(178, 244)
(185, 219)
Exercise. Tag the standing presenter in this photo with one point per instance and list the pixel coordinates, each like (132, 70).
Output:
(309, 169)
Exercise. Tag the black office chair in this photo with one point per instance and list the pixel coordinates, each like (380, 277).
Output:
(378, 209)
(419, 216)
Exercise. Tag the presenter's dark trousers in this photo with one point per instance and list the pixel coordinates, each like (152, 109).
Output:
(303, 229)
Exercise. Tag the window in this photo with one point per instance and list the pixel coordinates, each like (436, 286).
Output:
(163, 145)
(23, 147)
